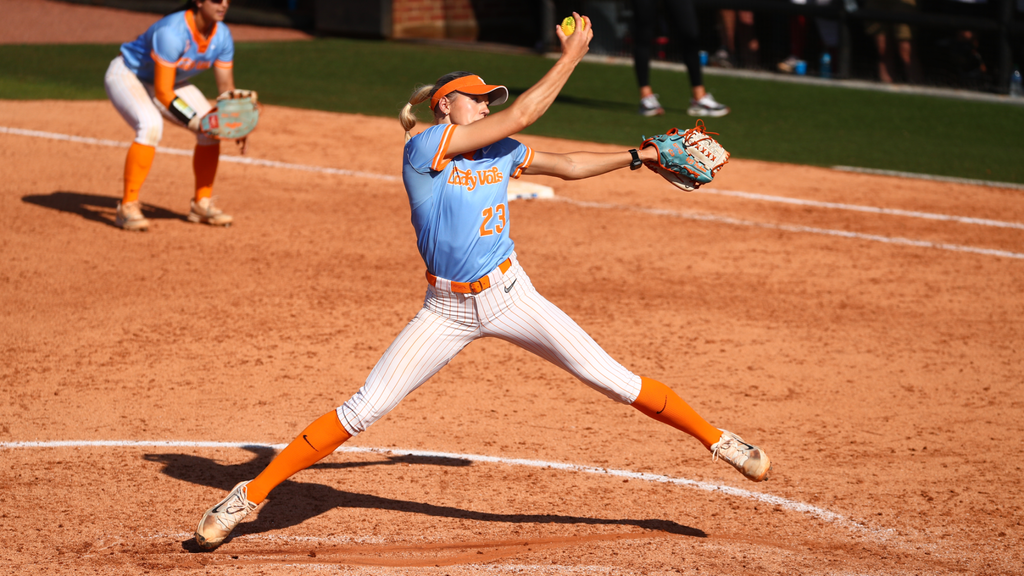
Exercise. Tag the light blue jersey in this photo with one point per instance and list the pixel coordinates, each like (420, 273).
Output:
(460, 206)
(175, 41)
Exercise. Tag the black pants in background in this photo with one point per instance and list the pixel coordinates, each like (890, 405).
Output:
(645, 20)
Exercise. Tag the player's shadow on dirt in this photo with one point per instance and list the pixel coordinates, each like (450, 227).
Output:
(300, 501)
(93, 207)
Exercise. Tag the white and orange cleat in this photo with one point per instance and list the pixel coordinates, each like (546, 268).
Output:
(204, 212)
(129, 217)
(219, 521)
(750, 460)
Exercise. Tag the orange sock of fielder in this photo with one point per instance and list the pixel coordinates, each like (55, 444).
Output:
(661, 403)
(136, 168)
(204, 164)
(319, 439)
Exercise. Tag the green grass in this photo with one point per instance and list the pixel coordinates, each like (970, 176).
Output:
(775, 121)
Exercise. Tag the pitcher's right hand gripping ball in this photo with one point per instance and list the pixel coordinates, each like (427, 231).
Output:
(569, 25)
(235, 115)
(687, 159)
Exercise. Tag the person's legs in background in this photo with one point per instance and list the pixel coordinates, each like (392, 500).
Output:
(893, 47)
(644, 21)
(828, 30)
(894, 41)
(885, 59)
(739, 46)
(747, 45)
(702, 103)
(797, 35)
(908, 57)
(725, 56)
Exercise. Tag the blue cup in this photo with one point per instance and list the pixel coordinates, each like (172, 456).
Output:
(801, 68)
(703, 57)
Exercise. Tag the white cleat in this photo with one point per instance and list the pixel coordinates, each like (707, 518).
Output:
(204, 212)
(129, 217)
(750, 460)
(219, 521)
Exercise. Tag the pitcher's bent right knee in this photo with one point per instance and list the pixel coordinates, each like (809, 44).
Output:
(356, 414)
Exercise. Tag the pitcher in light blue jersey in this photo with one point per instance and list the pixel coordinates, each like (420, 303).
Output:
(456, 175)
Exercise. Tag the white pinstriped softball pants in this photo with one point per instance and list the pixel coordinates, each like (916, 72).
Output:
(511, 309)
(137, 104)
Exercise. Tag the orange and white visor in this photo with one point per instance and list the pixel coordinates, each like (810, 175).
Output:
(471, 84)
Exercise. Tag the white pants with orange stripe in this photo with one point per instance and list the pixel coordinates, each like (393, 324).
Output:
(511, 309)
(136, 102)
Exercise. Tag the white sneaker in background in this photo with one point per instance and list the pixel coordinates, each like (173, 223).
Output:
(707, 106)
(649, 106)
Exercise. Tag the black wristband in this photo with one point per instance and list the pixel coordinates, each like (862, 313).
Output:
(636, 163)
(182, 111)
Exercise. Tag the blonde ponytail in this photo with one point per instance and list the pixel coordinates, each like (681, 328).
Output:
(407, 117)
(421, 94)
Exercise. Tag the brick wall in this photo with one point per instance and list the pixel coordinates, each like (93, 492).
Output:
(452, 19)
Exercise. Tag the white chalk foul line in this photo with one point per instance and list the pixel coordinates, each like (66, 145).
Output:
(180, 152)
(785, 503)
(932, 177)
(792, 228)
(859, 208)
(704, 217)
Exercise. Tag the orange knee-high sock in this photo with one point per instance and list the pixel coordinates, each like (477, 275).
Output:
(661, 403)
(204, 164)
(319, 439)
(136, 168)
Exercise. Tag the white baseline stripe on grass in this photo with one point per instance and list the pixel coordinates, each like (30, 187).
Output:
(704, 217)
(705, 486)
(792, 228)
(859, 208)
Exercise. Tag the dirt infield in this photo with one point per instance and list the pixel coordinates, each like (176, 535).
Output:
(885, 379)
(867, 331)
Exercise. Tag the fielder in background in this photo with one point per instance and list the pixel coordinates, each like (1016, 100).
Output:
(456, 175)
(149, 80)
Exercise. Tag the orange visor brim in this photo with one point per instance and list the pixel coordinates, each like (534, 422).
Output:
(471, 85)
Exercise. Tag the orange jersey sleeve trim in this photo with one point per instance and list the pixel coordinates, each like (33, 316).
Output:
(223, 65)
(201, 43)
(526, 163)
(163, 81)
(157, 60)
(440, 161)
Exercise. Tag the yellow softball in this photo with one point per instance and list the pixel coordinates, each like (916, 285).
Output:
(569, 25)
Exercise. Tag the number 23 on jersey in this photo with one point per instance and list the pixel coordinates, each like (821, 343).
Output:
(495, 220)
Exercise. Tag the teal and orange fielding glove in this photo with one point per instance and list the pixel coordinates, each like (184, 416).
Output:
(687, 159)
